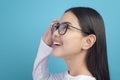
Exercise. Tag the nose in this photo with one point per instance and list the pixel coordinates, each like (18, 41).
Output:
(56, 34)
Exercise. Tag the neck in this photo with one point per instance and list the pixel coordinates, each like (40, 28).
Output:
(77, 65)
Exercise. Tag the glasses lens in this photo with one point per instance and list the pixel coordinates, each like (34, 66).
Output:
(55, 27)
(62, 28)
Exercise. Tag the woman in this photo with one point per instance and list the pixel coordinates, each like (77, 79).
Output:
(79, 38)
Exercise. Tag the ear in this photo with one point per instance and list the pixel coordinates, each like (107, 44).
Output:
(88, 41)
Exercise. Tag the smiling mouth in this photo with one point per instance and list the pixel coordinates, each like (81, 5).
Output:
(56, 45)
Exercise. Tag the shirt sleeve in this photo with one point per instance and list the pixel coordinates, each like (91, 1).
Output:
(40, 69)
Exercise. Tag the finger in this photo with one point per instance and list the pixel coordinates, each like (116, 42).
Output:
(55, 20)
(49, 29)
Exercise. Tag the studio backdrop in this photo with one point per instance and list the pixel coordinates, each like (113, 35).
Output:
(23, 22)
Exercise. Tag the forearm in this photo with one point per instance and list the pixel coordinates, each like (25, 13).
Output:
(40, 70)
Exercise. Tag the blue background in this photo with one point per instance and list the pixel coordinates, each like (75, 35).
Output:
(23, 22)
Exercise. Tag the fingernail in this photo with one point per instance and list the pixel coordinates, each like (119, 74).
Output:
(55, 20)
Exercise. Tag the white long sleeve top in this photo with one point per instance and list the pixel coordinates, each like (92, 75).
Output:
(40, 70)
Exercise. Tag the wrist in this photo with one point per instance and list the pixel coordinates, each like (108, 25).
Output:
(47, 42)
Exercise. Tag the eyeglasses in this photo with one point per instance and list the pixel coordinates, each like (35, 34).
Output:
(62, 28)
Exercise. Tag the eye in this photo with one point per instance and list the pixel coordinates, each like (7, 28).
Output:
(56, 25)
(63, 27)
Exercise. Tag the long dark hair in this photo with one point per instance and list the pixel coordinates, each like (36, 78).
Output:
(91, 22)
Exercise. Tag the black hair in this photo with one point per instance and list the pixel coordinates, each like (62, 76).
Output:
(91, 22)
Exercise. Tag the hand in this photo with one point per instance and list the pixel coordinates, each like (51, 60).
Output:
(47, 37)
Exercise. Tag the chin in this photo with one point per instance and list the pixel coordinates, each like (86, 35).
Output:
(57, 54)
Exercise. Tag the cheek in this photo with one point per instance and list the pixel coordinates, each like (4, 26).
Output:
(72, 45)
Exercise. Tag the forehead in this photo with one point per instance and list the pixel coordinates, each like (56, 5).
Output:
(70, 17)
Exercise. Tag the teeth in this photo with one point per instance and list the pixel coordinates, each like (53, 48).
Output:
(56, 43)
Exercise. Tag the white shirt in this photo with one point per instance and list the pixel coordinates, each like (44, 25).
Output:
(40, 70)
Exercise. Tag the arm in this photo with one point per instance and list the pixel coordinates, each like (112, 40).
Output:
(40, 70)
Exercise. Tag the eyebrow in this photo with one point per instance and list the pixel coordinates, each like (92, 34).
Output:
(67, 23)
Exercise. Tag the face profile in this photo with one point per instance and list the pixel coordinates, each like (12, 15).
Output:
(68, 39)
(65, 46)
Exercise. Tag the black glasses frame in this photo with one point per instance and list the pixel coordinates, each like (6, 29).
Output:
(57, 26)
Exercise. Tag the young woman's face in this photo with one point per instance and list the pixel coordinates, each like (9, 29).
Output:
(71, 42)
